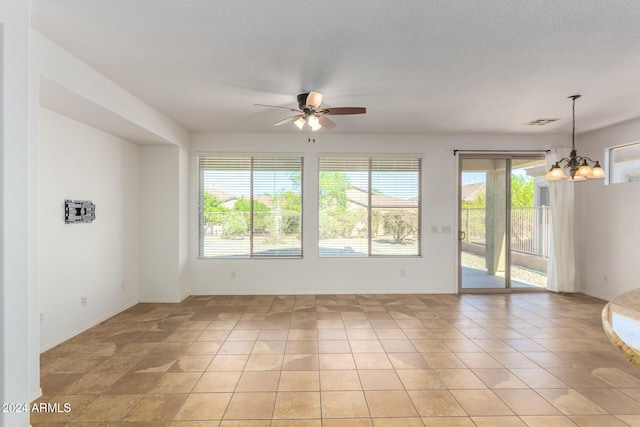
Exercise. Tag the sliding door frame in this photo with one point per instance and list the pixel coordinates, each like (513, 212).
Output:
(492, 156)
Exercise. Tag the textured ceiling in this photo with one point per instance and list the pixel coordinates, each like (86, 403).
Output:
(450, 66)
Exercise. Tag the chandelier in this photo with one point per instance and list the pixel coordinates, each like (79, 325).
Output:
(579, 167)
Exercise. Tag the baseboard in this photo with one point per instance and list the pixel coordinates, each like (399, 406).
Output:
(595, 295)
(159, 301)
(168, 300)
(202, 292)
(84, 328)
(35, 394)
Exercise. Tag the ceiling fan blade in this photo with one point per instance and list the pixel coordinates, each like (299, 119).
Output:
(325, 122)
(287, 120)
(344, 110)
(314, 99)
(295, 110)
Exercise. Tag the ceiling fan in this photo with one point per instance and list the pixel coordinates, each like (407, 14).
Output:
(309, 112)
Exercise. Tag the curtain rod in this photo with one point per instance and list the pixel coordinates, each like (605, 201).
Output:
(501, 151)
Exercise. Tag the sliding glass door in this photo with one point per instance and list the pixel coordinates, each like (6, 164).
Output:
(483, 223)
(503, 214)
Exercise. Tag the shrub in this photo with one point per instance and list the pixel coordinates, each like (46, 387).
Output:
(400, 224)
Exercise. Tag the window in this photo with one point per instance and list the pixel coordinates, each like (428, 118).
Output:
(250, 207)
(624, 163)
(369, 206)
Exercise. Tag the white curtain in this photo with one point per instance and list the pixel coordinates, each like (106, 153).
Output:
(561, 275)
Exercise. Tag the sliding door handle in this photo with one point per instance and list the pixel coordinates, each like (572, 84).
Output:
(463, 235)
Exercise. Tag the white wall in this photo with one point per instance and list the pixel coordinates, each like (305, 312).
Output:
(608, 230)
(183, 223)
(70, 87)
(19, 375)
(159, 223)
(99, 260)
(434, 272)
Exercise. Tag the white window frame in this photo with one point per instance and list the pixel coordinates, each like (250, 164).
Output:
(614, 168)
(248, 164)
(371, 159)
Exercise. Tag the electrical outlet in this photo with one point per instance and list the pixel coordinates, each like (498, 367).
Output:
(606, 279)
(83, 300)
(233, 274)
(403, 273)
(41, 318)
(122, 286)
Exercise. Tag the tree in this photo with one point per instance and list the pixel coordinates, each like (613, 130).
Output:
(296, 179)
(333, 190)
(260, 213)
(290, 207)
(335, 218)
(480, 202)
(521, 191)
(339, 224)
(401, 224)
(212, 209)
(235, 224)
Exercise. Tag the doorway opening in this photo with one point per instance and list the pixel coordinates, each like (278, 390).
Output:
(504, 223)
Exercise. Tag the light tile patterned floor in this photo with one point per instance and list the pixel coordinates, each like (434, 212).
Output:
(535, 359)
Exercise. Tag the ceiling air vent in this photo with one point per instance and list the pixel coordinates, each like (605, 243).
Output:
(541, 122)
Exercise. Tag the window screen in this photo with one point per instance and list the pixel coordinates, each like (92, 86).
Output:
(369, 207)
(250, 207)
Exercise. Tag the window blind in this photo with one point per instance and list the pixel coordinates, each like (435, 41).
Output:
(250, 207)
(369, 206)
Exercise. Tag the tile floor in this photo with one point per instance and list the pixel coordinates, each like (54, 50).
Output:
(535, 359)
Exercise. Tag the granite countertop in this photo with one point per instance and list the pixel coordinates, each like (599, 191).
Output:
(621, 322)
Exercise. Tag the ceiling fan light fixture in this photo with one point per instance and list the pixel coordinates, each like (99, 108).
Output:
(309, 112)
(314, 99)
(300, 121)
(314, 123)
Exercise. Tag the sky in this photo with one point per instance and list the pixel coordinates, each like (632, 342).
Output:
(476, 177)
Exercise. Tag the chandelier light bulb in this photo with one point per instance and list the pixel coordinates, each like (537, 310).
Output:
(555, 173)
(597, 172)
(584, 170)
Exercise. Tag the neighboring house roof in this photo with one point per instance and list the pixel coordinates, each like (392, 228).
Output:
(220, 195)
(355, 195)
(360, 197)
(225, 198)
(265, 199)
(469, 192)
